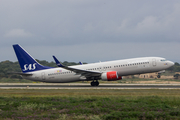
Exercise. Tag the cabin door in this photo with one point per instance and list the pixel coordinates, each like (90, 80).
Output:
(43, 76)
(154, 62)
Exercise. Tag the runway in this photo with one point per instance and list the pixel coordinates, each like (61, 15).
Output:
(85, 86)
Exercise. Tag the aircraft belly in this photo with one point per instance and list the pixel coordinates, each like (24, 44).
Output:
(63, 78)
(134, 70)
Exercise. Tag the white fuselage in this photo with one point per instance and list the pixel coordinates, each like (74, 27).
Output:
(123, 67)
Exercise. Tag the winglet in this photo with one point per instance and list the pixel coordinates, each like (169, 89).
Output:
(80, 63)
(59, 64)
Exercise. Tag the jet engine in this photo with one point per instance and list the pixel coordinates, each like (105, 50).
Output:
(110, 76)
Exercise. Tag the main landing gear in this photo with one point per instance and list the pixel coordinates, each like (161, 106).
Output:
(96, 83)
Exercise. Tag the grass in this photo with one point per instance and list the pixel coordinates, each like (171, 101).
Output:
(10, 80)
(89, 104)
(88, 92)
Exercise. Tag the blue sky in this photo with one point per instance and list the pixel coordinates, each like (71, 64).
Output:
(90, 30)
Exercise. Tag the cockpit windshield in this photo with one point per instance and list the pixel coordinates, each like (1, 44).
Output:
(163, 60)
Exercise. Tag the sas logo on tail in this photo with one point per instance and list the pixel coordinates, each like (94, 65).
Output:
(29, 67)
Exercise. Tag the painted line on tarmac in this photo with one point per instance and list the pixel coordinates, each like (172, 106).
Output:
(77, 88)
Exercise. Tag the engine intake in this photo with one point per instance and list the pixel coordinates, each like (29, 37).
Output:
(110, 76)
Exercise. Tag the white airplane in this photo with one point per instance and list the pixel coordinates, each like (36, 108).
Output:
(109, 71)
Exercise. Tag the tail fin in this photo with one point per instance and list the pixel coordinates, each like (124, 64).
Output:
(26, 61)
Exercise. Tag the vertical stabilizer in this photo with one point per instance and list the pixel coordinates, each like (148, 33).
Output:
(26, 61)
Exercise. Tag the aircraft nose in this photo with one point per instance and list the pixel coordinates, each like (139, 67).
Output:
(171, 63)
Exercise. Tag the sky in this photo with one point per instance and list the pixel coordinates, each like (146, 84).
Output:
(90, 30)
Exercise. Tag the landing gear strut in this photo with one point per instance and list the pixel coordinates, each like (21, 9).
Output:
(94, 83)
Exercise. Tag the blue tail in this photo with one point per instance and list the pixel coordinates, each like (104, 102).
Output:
(26, 62)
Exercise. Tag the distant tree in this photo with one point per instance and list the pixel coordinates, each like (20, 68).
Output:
(177, 64)
(175, 68)
(8, 66)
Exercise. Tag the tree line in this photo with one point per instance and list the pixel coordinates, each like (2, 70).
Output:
(9, 66)
(175, 68)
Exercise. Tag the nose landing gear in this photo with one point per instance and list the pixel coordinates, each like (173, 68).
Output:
(96, 83)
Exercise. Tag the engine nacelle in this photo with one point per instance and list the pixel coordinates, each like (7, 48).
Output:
(110, 76)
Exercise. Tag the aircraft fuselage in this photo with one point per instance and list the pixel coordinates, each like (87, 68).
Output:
(123, 67)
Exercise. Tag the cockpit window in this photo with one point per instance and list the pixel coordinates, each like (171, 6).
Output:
(163, 59)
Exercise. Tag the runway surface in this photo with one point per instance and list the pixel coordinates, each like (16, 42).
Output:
(86, 86)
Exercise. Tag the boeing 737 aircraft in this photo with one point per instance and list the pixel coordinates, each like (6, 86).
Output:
(109, 71)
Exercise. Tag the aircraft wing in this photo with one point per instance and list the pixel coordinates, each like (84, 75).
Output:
(85, 73)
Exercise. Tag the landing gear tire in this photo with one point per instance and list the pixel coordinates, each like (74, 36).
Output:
(94, 83)
(97, 83)
(158, 76)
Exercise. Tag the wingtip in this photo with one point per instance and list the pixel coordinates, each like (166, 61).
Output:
(54, 57)
(80, 63)
(15, 45)
(58, 63)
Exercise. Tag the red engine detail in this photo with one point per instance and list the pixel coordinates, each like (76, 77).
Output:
(110, 76)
